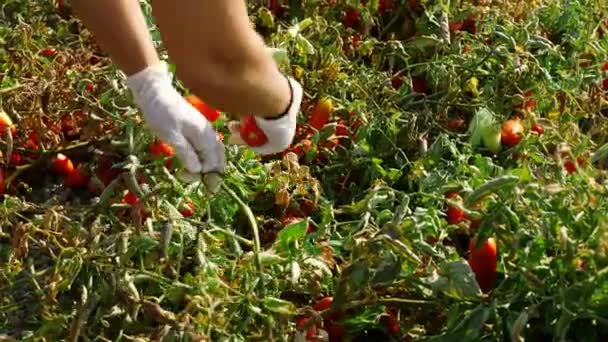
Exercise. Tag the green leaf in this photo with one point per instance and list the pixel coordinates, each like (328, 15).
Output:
(457, 280)
(279, 306)
(291, 233)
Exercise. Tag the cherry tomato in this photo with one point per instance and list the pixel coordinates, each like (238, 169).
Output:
(302, 147)
(538, 129)
(62, 164)
(76, 178)
(390, 322)
(483, 262)
(419, 85)
(209, 112)
(455, 124)
(511, 132)
(321, 113)
(48, 52)
(352, 17)
(187, 210)
(251, 133)
(454, 214)
(89, 87)
(311, 333)
(16, 159)
(323, 304)
(130, 198)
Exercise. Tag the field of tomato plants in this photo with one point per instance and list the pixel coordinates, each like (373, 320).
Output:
(446, 183)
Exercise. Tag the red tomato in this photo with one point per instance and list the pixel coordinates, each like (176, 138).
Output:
(396, 82)
(455, 124)
(571, 166)
(311, 333)
(251, 133)
(62, 164)
(209, 112)
(321, 113)
(605, 83)
(130, 198)
(302, 147)
(323, 304)
(341, 129)
(76, 178)
(48, 52)
(512, 132)
(390, 322)
(605, 66)
(89, 87)
(483, 262)
(386, 6)
(187, 210)
(352, 17)
(538, 129)
(161, 149)
(419, 85)
(16, 159)
(454, 214)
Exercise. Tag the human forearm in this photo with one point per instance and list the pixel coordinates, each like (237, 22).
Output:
(220, 57)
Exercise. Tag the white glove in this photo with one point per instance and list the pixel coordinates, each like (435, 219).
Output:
(176, 122)
(280, 132)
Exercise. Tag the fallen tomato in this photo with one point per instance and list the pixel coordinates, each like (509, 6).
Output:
(352, 17)
(62, 164)
(209, 112)
(511, 132)
(76, 178)
(48, 52)
(483, 262)
(187, 209)
(251, 134)
(130, 198)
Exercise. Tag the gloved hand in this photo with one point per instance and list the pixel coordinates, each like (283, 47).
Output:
(176, 122)
(278, 133)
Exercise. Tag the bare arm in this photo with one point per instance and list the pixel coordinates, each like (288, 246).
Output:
(120, 28)
(218, 54)
(220, 57)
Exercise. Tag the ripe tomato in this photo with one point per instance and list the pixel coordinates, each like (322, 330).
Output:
(209, 112)
(386, 6)
(455, 124)
(311, 333)
(454, 214)
(419, 85)
(390, 322)
(48, 52)
(6, 122)
(161, 149)
(570, 166)
(352, 17)
(130, 198)
(76, 178)
(483, 262)
(16, 159)
(341, 129)
(302, 147)
(89, 87)
(511, 132)
(605, 66)
(187, 210)
(396, 82)
(62, 164)
(323, 304)
(605, 83)
(538, 129)
(321, 113)
(251, 133)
